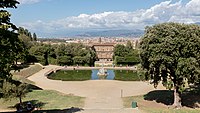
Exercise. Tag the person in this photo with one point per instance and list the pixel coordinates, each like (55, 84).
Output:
(19, 108)
(29, 106)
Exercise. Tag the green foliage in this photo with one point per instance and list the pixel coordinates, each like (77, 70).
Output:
(41, 53)
(126, 55)
(28, 41)
(52, 61)
(78, 53)
(26, 35)
(119, 59)
(71, 75)
(5, 15)
(29, 71)
(129, 46)
(34, 37)
(128, 75)
(10, 45)
(8, 3)
(14, 90)
(47, 100)
(153, 107)
(70, 54)
(79, 60)
(120, 50)
(64, 60)
(170, 53)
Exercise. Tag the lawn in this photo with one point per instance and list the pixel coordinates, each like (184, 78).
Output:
(71, 75)
(46, 99)
(128, 75)
(28, 71)
(160, 101)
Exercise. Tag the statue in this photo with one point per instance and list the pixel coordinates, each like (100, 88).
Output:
(102, 74)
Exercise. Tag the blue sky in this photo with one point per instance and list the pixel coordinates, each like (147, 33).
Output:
(58, 17)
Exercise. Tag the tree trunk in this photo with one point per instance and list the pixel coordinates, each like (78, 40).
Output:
(20, 100)
(177, 98)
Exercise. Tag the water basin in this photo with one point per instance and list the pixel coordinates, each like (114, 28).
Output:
(110, 75)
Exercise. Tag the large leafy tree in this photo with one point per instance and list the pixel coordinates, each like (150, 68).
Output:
(41, 52)
(170, 52)
(10, 45)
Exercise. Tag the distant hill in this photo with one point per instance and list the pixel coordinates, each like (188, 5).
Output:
(113, 33)
(197, 23)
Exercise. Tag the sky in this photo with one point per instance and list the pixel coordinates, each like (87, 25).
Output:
(58, 18)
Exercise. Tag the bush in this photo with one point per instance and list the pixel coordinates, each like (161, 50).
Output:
(128, 75)
(52, 61)
(71, 75)
(64, 60)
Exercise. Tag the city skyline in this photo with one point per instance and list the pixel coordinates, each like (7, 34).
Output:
(50, 18)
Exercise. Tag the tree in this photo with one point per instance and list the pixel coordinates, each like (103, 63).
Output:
(79, 60)
(90, 57)
(170, 53)
(41, 52)
(126, 54)
(10, 45)
(120, 50)
(14, 90)
(129, 45)
(34, 37)
(64, 60)
(25, 35)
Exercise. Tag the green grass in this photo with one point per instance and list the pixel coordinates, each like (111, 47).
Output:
(22, 79)
(71, 75)
(154, 98)
(81, 75)
(46, 99)
(128, 100)
(26, 72)
(128, 75)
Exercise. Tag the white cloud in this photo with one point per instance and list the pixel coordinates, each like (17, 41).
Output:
(193, 7)
(166, 11)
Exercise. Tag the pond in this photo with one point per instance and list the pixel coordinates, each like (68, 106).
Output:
(81, 75)
(110, 75)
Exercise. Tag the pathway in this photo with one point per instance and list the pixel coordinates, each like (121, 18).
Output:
(99, 93)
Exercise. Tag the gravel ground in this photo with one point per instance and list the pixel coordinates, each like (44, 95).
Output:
(102, 96)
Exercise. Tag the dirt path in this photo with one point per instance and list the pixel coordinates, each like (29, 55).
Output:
(99, 94)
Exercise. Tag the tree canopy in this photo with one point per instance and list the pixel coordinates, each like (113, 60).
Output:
(126, 55)
(170, 52)
(10, 45)
(63, 54)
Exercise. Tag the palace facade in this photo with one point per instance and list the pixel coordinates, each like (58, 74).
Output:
(104, 51)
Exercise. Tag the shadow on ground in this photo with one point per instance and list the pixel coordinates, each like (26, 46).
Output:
(161, 96)
(19, 66)
(190, 97)
(33, 87)
(68, 110)
(36, 104)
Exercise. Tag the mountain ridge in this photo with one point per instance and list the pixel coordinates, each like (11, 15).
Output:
(113, 33)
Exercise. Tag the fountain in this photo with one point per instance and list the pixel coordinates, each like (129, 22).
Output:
(102, 73)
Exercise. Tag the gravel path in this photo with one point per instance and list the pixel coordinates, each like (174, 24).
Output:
(99, 94)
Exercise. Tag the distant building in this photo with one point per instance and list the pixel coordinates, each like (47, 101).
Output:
(104, 51)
